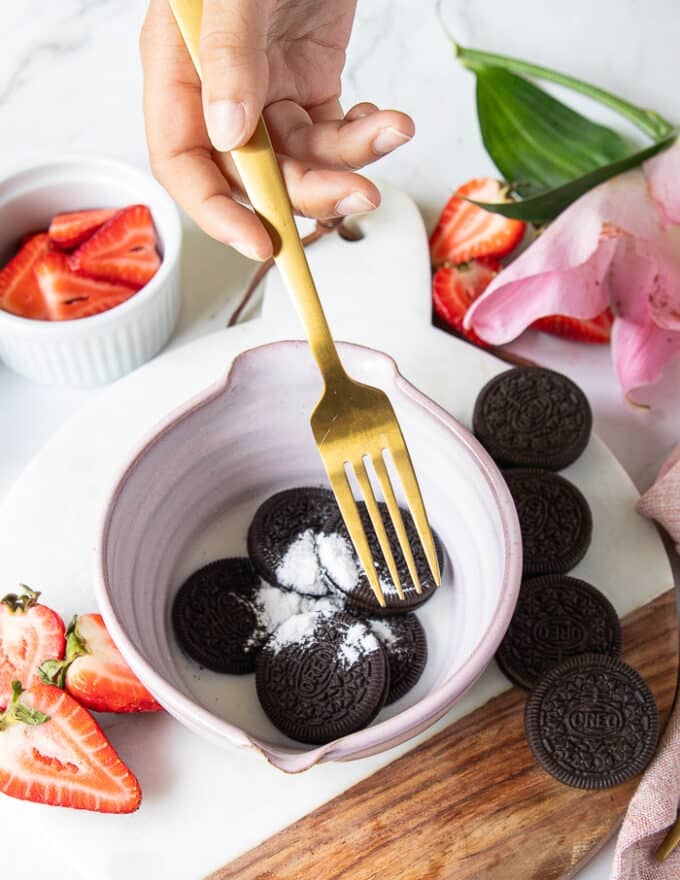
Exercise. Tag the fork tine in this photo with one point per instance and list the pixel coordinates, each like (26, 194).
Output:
(364, 481)
(348, 508)
(397, 520)
(404, 466)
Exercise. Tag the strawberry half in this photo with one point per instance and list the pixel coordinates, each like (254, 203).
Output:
(52, 751)
(68, 295)
(29, 634)
(20, 292)
(454, 288)
(464, 231)
(69, 230)
(595, 330)
(122, 250)
(94, 671)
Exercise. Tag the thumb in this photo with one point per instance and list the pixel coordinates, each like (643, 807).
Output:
(234, 68)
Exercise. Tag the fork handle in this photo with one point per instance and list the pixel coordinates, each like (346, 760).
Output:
(259, 170)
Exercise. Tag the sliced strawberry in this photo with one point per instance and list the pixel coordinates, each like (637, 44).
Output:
(68, 295)
(29, 634)
(454, 288)
(52, 751)
(465, 231)
(596, 330)
(20, 293)
(123, 250)
(94, 671)
(67, 231)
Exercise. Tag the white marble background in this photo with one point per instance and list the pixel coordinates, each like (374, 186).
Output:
(70, 81)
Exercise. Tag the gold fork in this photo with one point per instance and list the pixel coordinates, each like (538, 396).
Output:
(354, 424)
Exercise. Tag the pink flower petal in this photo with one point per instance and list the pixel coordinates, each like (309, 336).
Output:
(630, 278)
(644, 279)
(563, 271)
(664, 295)
(581, 292)
(663, 176)
(641, 351)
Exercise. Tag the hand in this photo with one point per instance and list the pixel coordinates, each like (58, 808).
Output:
(283, 56)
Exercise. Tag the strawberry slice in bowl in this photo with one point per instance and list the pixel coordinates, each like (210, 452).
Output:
(68, 296)
(94, 671)
(29, 634)
(123, 250)
(69, 230)
(465, 231)
(52, 751)
(20, 293)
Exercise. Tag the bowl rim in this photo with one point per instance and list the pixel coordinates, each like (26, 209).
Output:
(379, 736)
(166, 217)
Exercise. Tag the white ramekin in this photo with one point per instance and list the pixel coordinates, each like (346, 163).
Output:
(99, 349)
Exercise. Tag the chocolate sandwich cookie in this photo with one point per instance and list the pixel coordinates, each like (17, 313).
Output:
(556, 617)
(215, 617)
(532, 417)
(357, 589)
(321, 676)
(554, 518)
(282, 538)
(592, 722)
(403, 639)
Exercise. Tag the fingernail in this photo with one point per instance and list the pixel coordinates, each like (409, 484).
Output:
(354, 203)
(245, 248)
(226, 121)
(389, 139)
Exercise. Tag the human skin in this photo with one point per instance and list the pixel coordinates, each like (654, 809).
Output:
(283, 58)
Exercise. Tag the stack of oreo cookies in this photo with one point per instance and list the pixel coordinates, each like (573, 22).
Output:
(590, 720)
(300, 613)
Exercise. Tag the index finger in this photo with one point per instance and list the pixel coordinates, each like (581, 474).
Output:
(179, 148)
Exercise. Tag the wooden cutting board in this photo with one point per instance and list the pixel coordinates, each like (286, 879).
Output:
(470, 803)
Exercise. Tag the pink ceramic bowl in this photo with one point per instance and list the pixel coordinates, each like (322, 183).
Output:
(188, 495)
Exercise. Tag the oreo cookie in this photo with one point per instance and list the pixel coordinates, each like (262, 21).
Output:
(354, 583)
(403, 639)
(556, 617)
(321, 676)
(592, 722)
(554, 518)
(215, 618)
(282, 538)
(532, 417)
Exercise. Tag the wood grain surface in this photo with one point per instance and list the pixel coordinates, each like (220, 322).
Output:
(470, 802)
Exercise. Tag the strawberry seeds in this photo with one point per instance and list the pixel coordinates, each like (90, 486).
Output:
(86, 263)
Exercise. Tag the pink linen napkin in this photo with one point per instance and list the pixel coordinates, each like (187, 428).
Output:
(654, 807)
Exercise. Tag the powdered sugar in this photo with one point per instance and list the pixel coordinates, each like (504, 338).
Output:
(316, 562)
(274, 606)
(299, 569)
(298, 629)
(336, 556)
(358, 642)
(383, 631)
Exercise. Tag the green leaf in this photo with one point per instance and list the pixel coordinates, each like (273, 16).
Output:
(536, 141)
(533, 157)
(53, 672)
(27, 715)
(547, 205)
(17, 711)
(650, 122)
